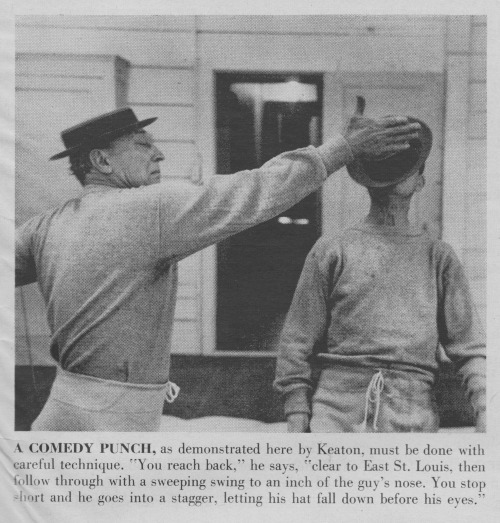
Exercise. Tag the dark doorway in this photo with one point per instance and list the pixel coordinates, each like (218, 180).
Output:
(258, 117)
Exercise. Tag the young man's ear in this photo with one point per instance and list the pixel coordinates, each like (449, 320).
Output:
(420, 183)
(420, 179)
(100, 161)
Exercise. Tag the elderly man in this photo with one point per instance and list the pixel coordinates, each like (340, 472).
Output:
(106, 262)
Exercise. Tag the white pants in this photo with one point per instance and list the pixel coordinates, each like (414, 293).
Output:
(84, 403)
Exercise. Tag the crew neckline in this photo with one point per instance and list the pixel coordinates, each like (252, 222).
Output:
(410, 230)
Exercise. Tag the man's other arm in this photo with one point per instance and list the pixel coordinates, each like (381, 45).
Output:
(25, 272)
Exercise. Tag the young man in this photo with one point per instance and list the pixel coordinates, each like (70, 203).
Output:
(383, 295)
(106, 262)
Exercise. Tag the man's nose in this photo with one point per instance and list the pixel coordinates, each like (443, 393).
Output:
(158, 155)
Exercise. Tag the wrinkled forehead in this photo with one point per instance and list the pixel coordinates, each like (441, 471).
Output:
(138, 136)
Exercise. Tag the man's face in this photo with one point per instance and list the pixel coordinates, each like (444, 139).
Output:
(134, 160)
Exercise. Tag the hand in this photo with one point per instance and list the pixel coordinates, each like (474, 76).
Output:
(297, 422)
(375, 139)
(481, 422)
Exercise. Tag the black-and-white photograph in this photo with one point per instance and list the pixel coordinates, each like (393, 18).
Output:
(235, 223)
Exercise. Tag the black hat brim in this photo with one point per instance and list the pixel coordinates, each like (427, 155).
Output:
(115, 133)
(359, 169)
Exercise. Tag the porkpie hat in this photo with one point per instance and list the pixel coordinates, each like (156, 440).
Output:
(395, 168)
(104, 127)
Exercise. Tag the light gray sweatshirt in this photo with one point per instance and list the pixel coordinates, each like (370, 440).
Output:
(106, 262)
(381, 297)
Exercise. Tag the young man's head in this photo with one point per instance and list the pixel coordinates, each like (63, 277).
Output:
(399, 173)
(405, 189)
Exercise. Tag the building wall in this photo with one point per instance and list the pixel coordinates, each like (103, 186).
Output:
(474, 254)
(160, 52)
(464, 195)
(168, 57)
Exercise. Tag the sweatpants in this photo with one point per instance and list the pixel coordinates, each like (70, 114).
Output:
(358, 399)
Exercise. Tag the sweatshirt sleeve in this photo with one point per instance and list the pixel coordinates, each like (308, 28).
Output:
(192, 218)
(460, 331)
(305, 325)
(25, 261)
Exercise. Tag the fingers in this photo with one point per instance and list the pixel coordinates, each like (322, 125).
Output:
(409, 130)
(392, 121)
(401, 138)
(394, 148)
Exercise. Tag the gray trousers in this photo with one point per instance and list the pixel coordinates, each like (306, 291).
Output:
(357, 399)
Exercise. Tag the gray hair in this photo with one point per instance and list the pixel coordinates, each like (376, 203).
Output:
(80, 163)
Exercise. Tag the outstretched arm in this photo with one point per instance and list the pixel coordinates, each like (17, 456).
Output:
(191, 218)
(25, 263)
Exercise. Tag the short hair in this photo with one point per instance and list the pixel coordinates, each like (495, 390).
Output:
(80, 164)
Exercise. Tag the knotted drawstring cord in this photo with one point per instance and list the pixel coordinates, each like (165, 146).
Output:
(373, 392)
(172, 392)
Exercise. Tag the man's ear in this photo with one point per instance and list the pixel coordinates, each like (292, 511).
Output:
(100, 161)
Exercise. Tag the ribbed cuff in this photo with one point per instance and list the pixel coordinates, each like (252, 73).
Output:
(477, 399)
(335, 153)
(297, 401)
(474, 377)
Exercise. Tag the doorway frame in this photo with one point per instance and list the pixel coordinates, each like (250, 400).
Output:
(259, 77)
(433, 83)
(206, 138)
(207, 143)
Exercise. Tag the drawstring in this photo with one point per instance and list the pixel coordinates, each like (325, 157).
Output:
(373, 393)
(172, 392)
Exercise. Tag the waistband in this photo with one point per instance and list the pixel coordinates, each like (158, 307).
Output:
(376, 385)
(97, 394)
(367, 366)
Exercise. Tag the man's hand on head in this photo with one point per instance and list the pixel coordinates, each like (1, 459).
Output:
(378, 138)
(374, 139)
